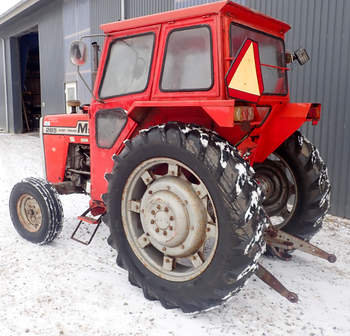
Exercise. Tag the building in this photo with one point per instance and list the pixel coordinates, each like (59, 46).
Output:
(36, 77)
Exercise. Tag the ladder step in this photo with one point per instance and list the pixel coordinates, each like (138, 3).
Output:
(89, 220)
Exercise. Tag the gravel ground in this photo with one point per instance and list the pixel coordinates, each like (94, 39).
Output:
(66, 288)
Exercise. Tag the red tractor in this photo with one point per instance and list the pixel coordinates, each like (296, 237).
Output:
(190, 152)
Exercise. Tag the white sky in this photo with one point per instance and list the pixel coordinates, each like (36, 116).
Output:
(5, 5)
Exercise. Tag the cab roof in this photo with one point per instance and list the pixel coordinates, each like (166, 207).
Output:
(242, 13)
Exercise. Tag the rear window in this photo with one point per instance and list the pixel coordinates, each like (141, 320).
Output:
(188, 60)
(272, 57)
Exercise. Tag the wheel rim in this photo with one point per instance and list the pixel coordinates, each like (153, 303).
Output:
(169, 219)
(29, 213)
(280, 189)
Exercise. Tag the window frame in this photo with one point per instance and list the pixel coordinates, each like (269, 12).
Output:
(267, 34)
(108, 58)
(212, 77)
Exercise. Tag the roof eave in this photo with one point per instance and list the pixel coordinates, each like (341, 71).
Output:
(17, 9)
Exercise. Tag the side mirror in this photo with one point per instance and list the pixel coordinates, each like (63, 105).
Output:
(301, 56)
(78, 53)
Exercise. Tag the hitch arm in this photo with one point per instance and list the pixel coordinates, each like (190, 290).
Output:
(263, 274)
(282, 240)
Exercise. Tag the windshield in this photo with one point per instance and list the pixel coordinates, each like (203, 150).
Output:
(272, 57)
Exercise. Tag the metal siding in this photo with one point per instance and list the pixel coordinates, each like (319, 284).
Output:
(51, 59)
(76, 23)
(188, 3)
(322, 27)
(2, 92)
(135, 8)
(103, 11)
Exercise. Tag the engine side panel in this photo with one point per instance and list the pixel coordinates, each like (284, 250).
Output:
(58, 132)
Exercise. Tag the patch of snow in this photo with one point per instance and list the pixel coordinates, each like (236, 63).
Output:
(66, 288)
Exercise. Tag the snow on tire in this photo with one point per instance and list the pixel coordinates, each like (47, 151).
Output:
(312, 186)
(185, 215)
(36, 210)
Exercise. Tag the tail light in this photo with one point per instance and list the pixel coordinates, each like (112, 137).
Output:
(314, 113)
(244, 113)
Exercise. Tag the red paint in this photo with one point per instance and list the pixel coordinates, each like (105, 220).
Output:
(212, 109)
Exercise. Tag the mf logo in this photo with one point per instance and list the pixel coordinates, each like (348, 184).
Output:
(83, 127)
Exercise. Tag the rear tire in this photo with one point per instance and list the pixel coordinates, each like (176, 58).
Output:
(235, 197)
(36, 210)
(312, 186)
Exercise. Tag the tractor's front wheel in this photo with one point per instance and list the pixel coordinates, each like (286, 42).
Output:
(36, 210)
(185, 214)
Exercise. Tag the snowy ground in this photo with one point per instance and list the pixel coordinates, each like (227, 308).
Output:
(70, 289)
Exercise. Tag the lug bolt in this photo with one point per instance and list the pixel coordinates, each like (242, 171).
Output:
(152, 221)
(170, 228)
(171, 218)
(208, 229)
(198, 192)
(145, 239)
(157, 230)
(150, 192)
(153, 212)
(158, 207)
(166, 209)
(167, 260)
(164, 249)
(164, 233)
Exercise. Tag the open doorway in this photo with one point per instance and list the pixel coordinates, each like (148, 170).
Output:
(30, 81)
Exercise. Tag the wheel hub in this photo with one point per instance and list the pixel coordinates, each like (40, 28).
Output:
(29, 213)
(173, 216)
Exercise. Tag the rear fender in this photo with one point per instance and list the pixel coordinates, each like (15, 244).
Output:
(283, 121)
(220, 111)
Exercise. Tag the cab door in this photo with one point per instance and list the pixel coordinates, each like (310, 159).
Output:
(124, 76)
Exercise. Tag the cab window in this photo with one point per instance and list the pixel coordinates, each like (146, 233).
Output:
(187, 64)
(128, 66)
(272, 57)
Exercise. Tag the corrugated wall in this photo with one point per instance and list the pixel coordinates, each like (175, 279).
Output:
(188, 3)
(51, 61)
(136, 8)
(323, 28)
(3, 125)
(103, 11)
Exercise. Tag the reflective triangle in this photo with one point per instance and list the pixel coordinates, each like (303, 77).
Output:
(245, 78)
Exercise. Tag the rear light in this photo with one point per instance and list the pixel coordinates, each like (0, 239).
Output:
(314, 113)
(244, 113)
(262, 111)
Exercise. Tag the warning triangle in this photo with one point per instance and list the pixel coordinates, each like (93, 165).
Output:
(244, 77)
